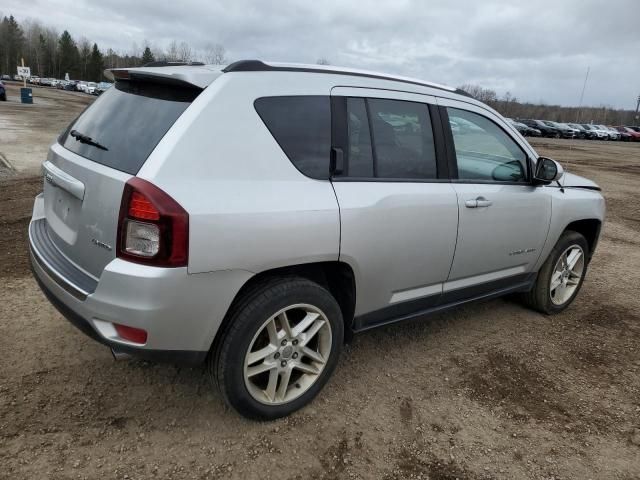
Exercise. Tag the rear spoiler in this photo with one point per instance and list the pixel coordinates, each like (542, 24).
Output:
(191, 76)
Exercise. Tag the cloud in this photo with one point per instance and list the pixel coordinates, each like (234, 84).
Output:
(536, 50)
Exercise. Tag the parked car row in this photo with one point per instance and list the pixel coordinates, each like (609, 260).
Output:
(16, 78)
(547, 128)
(525, 130)
(629, 133)
(91, 88)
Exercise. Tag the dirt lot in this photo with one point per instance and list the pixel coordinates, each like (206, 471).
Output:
(489, 391)
(26, 131)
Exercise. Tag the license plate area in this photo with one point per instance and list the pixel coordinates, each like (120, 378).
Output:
(63, 213)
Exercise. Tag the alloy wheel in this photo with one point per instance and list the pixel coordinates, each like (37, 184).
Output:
(287, 354)
(566, 275)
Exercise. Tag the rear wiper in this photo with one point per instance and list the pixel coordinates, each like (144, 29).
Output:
(86, 139)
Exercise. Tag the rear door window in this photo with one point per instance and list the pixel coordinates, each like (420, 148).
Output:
(127, 121)
(360, 154)
(403, 143)
(302, 127)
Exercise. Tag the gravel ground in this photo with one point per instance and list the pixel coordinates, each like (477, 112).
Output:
(26, 131)
(488, 391)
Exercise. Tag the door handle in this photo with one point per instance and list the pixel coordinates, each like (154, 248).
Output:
(478, 202)
(336, 162)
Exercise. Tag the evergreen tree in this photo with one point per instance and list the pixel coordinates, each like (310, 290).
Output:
(4, 57)
(96, 64)
(46, 60)
(147, 56)
(12, 41)
(68, 57)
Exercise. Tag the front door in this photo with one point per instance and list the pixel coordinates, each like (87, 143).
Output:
(504, 218)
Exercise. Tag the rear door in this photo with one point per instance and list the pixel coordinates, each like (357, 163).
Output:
(504, 218)
(87, 168)
(398, 210)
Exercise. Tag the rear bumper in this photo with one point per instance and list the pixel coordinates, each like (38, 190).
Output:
(181, 357)
(181, 312)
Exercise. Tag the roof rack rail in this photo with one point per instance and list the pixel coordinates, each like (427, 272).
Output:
(247, 66)
(164, 63)
(260, 66)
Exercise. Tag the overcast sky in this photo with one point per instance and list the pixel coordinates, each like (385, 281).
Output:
(535, 49)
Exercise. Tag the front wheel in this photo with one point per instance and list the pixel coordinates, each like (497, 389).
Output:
(281, 346)
(561, 276)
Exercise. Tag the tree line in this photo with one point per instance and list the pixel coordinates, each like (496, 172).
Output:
(509, 106)
(53, 54)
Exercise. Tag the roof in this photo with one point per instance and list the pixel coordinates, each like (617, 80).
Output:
(201, 75)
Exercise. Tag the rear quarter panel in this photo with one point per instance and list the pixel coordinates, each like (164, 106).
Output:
(249, 207)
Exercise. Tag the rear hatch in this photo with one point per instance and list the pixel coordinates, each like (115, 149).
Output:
(87, 168)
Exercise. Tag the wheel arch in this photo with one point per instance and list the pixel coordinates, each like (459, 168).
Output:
(589, 228)
(337, 277)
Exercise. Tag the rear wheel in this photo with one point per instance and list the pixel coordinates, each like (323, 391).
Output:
(282, 343)
(561, 276)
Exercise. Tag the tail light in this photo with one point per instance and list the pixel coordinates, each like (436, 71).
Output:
(153, 229)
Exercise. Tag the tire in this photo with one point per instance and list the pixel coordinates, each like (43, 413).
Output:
(257, 325)
(540, 297)
(3, 97)
(557, 135)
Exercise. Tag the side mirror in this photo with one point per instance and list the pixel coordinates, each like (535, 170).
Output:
(547, 171)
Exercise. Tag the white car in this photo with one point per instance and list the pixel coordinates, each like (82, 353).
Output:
(81, 86)
(613, 133)
(90, 88)
(596, 131)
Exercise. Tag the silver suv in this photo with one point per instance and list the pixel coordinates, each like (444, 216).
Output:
(254, 217)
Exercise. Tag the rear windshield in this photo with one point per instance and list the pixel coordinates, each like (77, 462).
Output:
(127, 122)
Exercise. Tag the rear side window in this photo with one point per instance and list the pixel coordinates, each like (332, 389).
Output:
(127, 121)
(403, 143)
(302, 127)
